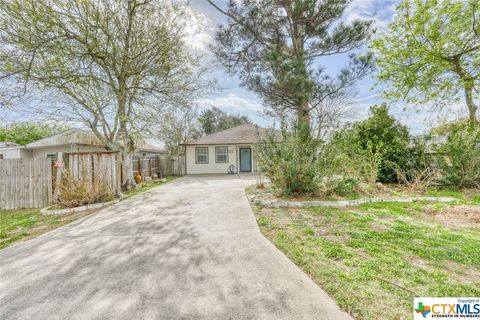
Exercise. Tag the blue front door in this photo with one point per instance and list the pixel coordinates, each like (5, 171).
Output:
(245, 160)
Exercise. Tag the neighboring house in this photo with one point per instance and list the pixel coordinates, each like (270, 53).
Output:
(144, 149)
(72, 140)
(227, 151)
(10, 150)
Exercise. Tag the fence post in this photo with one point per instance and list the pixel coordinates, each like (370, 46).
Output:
(140, 168)
(119, 174)
(150, 166)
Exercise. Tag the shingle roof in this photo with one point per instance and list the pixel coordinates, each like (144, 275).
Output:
(149, 147)
(245, 133)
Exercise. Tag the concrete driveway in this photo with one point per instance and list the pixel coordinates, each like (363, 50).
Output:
(187, 250)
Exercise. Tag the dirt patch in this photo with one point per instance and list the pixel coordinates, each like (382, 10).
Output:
(416, 261)
(462, 273)
(464, 216)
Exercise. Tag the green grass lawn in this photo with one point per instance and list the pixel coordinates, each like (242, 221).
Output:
(17, 225)
(373, 259)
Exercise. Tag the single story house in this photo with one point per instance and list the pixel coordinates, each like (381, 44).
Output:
(227, 151)
(72, 140)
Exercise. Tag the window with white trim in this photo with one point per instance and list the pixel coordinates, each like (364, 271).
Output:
(221, 154)
(201, 155)
(1, 156)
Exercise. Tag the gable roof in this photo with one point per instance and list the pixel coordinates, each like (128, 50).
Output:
(80, 136)
(245, 133)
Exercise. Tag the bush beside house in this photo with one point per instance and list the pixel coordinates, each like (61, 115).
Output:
(376, 150)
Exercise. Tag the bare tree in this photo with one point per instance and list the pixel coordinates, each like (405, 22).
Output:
(110, 64)
(181, 125)
(333, 112)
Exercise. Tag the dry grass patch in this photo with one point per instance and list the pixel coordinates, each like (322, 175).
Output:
(460, 216)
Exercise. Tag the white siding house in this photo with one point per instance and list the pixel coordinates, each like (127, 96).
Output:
(10, 150)
(227, 151)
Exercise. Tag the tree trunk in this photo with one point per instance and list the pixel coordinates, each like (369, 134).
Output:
(303, 116)
(472, 108)
(126, 143)
(127, 169)
(467, 83)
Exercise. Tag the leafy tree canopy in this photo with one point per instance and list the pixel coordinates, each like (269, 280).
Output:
(431, 52)
(26, 132)
(112, 65)
(214, 120)
(445, 128)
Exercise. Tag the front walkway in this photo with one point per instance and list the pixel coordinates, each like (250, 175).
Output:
(190, 249)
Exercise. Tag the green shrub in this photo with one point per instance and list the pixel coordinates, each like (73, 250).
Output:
(379, 149)
(370, 150)
(459, 158)
(386, 136)
(344, 155)
(291, 165)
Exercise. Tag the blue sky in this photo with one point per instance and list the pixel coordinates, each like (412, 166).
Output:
(234, 99)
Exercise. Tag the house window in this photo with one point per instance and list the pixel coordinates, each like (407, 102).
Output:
(221, 154)
(52, 156)
(201, 155)
(1, 156)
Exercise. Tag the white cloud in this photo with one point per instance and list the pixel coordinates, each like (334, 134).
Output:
(198, 30)
(243, 103)
(380, 11)
(233, 103)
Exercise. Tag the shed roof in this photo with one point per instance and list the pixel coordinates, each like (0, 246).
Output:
(243, 134)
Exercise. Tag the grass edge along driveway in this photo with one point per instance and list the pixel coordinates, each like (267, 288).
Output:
(375, 258)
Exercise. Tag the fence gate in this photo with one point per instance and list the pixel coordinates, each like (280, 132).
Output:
(25, 183)
(172, 165)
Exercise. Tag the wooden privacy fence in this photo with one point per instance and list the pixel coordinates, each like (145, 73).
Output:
(172, 165)
(25, 183)
(161, 166)
(146, 167)
(35, 183)
(95, 167)
(178, 165)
